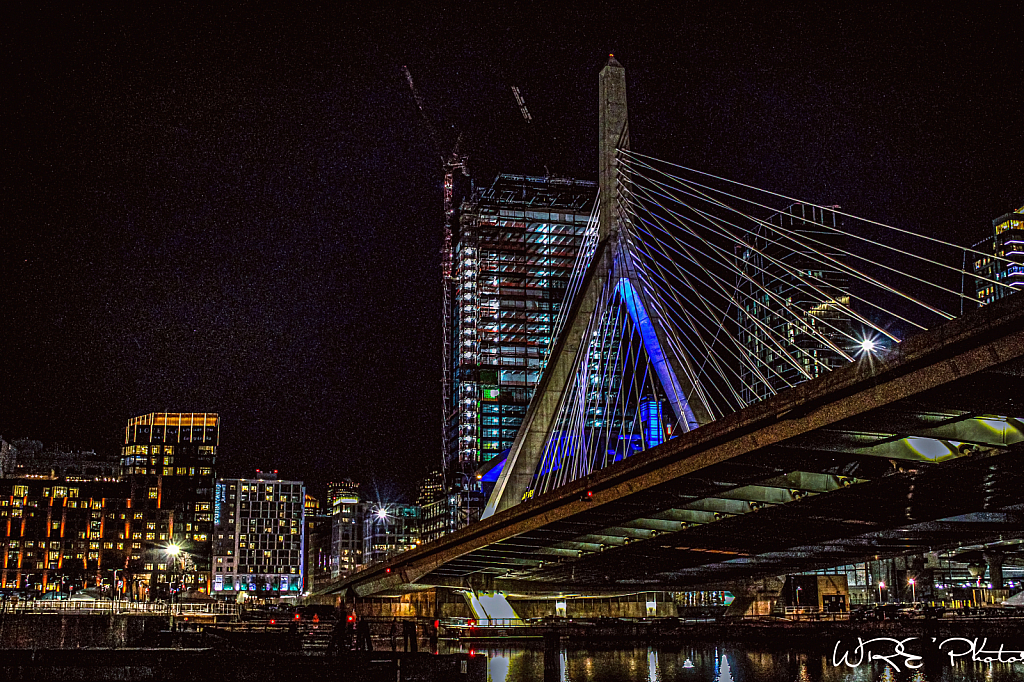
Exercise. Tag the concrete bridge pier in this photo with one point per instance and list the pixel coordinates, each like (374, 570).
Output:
(755, 597)
(995, 569)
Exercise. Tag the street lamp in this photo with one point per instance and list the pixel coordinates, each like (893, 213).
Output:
(180, 560)
(913, 588)
(881, 586)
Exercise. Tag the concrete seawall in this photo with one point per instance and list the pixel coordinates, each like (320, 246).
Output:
(187, 665)
(78, 630)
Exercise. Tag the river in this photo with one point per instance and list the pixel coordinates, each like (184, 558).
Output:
(913, 661)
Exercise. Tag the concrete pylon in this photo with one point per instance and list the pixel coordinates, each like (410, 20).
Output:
(528, 446)
(610, 262)
(613, 126)
(995, 569)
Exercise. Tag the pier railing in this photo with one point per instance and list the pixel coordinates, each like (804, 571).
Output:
(121, 607)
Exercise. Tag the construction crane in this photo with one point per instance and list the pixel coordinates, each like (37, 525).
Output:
(541, 147)
(522, 104)
(451, 163)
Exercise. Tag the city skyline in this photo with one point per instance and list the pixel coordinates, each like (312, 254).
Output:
(243, 214)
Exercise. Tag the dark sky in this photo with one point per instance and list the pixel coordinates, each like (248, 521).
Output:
(240, 211)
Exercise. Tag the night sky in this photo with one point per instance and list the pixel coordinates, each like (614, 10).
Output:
(240, 211)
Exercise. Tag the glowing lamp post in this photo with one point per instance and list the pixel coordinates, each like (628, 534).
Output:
(180, 561)
(881, 586)
(913, 588)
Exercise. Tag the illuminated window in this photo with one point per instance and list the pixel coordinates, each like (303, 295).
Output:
(153, 492)
(135, 545)
(161, 567)
(20, 490)
(151, 525)
(168, 471)
(148, 567)
(73, 492)
(151, 536)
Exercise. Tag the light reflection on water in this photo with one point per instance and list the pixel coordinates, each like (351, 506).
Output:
(720, 663)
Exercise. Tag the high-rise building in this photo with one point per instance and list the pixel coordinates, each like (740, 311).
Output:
(389, 530)
(438, 506)
(1006, 242)
(788, 299)
(514, 251)
(317, 544)
(259, 525)
(168, 460)
(346, 488)
(347, 516)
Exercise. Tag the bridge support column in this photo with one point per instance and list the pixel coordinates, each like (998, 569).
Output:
(756, 598)
(995, 569)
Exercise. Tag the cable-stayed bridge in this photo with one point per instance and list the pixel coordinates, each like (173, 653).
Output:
(744, 385)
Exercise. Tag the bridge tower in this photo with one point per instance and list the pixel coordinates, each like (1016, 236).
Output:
(610, 268)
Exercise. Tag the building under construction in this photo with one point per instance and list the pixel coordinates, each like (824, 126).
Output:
(513, 252)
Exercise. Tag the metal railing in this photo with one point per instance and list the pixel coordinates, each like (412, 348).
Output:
(119, 607)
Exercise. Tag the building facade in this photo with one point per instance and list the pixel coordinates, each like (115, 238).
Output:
(390, 530)
(259, 544)
(58, 535)
(1006, 242)
(775, 301)
(347, 521)
(513, 254)
(317, 545)
(168, 461)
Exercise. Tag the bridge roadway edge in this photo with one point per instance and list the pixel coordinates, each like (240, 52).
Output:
(978, 341)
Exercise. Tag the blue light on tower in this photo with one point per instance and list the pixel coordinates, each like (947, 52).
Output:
(650, 416)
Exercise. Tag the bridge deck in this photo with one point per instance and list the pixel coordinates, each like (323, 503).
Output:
(918, 451)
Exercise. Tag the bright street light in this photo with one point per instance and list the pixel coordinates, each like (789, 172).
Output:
(868, 346)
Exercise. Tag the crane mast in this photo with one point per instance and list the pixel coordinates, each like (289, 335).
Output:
(451, 163)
